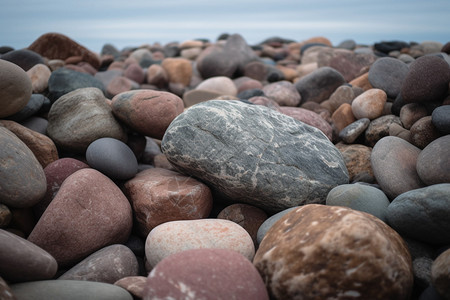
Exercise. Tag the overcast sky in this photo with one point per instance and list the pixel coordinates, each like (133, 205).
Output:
(93, 23)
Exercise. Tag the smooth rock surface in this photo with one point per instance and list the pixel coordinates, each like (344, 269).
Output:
(33, 106)
(221, 85)
(133, 284)
(411, 113)
(176, 236)
(205, 274)
(388, 74)
(249, 147)
(369, 104)
(283, 92)
(433, 162)
(422, 214)
(441, 118)
(423, 132)
(440, 274)
(267, 224)
(320, 252)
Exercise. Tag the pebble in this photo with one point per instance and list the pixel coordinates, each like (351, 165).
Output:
(388, 74)
(343, 117)
(159, 195)
(157, 76)
(401, 159)
(369, 104)
(308, 117)
(352, 131)
(178, 70)
(354, 246)
(36, 123)
(113, 158)
(422, 214)
(39, 75)
(177, 236)
(133, 284)
(120, 84)
(33, 106)
(412, 112)
(433, 162)
(24, 58)
(423, 132)
(283, 92)
(218, 84)
(256, 70)
(379, 128)
(148, 112)
(135, 72)
(269, 222)
(357, 161)
(441, 119)
(205, 274)
(440, 275)
(15, 88)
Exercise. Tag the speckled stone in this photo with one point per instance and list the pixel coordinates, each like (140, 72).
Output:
(423, 132)
(261, 142)
(133, 284)
(422, 214)
(320, 252)
(159, 195)
(433, 162)
(379, 128)
(176, 236)
(352, 131)
(440, 275)
(205, 274)
(400, 158)
(108, 265)
(369, 104)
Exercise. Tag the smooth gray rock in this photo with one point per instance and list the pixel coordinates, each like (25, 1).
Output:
(32, 107)
(106, 265)
(433, 162)
(423, 214)
(441, 118)
(388, 74)
(267, 224)
(69, 290)
(254, 155)
(360, 197)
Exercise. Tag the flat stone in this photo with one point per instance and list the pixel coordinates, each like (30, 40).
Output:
(369, 104)
(69, 290)
(388, 74)
(107, 265)
(23, 181)
(249, 147)
(320, 252)
(159, 195)
(440, 118)
(440, 275)
(360, 197)
(21, 260)
(177, 236)
(422, 214)
(433, 162)
(15, 88)
(205, 274)
(99, 209)
(81, 117)
(352, 131)
(148, 112)
(394, 165)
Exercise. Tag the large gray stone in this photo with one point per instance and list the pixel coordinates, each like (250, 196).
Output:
(254, 155)
(422, 214)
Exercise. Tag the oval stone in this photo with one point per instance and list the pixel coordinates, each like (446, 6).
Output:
(21, 260)
(379, 128)
(88, 213)
(440, 275)
(369, 104)
(412, 112)
(320, 252)
(433, 162)
(394, 166)
(39, 75)
(148, 112)
(113, 158)
(441, 118)
(351, 132)
(33, 106)
(388, 74)
(176, 236)
(283, 92)
(219, 84)
(22, 181)
(422, 214)
(15, 88)
(205, 274)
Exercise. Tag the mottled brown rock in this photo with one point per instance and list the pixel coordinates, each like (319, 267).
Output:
(264, 101)
(179, 70)
(196, 96)
(326, 252)
(379, 128)
(256, 70)
(423, 132)
(119, 85)
(15, 88)
(159, 195)
(343, 94)
(58, 46)
(133, 284)
(412, 112)
(399, 131)
(41, 145)
(248, 216)
(246, 83)
(283, 92)
(440, 274)
(369, 104)
(5, 216)
(362, 81)
(357, 160)
(148, 112)
(88, 213)
(343, 116)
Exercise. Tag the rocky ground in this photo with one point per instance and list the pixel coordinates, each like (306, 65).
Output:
(222, 170)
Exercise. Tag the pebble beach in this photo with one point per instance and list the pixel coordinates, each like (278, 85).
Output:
(219, 169)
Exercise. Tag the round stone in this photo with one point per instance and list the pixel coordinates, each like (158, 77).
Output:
(369, 104)
(39, 75)
(113, 158)
(308, 117)
(357, 161)
(219, 84)
(388, 74)
(423, 132)
(440, 274)
(320, 252)
(433, 162)
(24, 58)
(412, 112)
(283, 92)
(441, 118)
(33, 106)
(15, 88)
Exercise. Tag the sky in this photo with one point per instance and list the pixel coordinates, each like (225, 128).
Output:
(94, 23)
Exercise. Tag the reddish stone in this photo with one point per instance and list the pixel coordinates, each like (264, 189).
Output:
(133, 284)
(343, 116)
(308, 117)
(135, 72)
(246, 83)
(357, 161)
(157, 76)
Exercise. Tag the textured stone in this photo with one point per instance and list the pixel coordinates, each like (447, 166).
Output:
(379, 128)
(388, 74)
(441, 118)
(320, 252)
(369, 104)
(148, 112)
(411, 113)
(69, 290)
(433, 162)
(427, 80)
(99, 209)
(352, 131)
(133, 284)
(158, 196)
(422, 214)
(308, 117)
(108, 265)
(283, 92)
(113, 158)
(267, 224)
(249, 147)
(81, 117)
(22, 181)
(58, 46)
(15, 88)
(399, 158)
(357, 160)
(205, 274)
(219, 84)
(21, 260)
(360, 197)
(440, 274)
(264, 101)
(319, 84)
(422, 271)
(179, 70)
(176, 236)
(423, 132)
